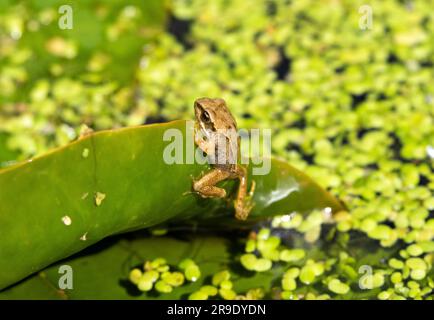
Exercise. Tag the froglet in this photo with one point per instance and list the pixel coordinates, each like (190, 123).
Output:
(215, 133)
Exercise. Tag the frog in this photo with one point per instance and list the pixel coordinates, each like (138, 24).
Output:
(216, 134)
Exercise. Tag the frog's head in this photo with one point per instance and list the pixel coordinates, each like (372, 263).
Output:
(213, 115)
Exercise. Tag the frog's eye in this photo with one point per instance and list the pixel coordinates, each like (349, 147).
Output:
(205, 117)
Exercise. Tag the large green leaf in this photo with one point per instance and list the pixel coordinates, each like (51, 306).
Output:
(141, 191)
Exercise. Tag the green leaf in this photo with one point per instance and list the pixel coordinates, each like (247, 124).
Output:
(116, 181)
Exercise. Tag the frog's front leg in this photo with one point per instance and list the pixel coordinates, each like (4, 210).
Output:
(243, 204)
(205, 186)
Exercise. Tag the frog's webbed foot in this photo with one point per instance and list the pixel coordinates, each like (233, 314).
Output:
(244, 206)
(205, 186)
(242, 209)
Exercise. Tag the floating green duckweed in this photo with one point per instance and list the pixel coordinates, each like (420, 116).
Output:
(144, 284)
(396, 264)
(221, 276)
(396, 277)
(255, 294)
(198, 295)
(292, 273)
(263, 234)
(288, 295)
(384, 295)
(175, 279)
(227, 294)
(307, 274)
(150, 276)
(418, 274)
(157, 275)
(289, 284)
(291, 255)
(378, 280)
(135, 275)
(184, 264)
(250, 245)
(416, 263)
(248, 261)
(414, 250)
(380, 232)
(262, 265)
(226, 284)
(209, 290)
(192, 273)
(163, 287)
(336, 286)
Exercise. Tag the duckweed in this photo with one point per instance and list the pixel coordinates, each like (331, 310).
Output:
(416, 263)
(184, 264)
(263, 234)
(289, 255)
(135, 275)
(221, 276)
(150, 276)
(144, 285)
(292, 273)
(163, 287)
(262, 265)
(227, 294)
(418, 274)
(350, 107)
(414, 250)
(255, 294)
(307, 274)
(248, 261)
(175, 279)
(336, 286)
(250, 245)
(226, 284)
(288, 295)
(289, 284)
(198, 295)
(396, 277)
(209, 290)
(157, 274)
(192, 273)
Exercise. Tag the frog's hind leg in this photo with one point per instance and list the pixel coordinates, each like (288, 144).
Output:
(205, 186)
(243, 204)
